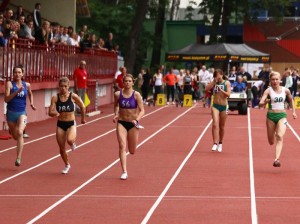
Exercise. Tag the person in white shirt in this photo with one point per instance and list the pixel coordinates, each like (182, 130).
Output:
(276, 123)
(204, 77)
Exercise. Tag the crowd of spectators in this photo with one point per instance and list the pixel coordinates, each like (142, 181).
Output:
(32, 27)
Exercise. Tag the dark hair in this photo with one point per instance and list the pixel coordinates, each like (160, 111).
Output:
(20, 67)
(221, 72)
(63, 79)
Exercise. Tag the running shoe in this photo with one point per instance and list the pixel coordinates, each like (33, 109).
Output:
(66, 169)
(214, 148)
(220, 148)
(73, 146)
(18, 162)
(25, 135)
(276, 163)
(124, 176)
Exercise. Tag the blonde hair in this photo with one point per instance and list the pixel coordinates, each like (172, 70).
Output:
(273, 73)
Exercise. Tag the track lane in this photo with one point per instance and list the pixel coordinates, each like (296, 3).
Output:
(277, 189)
(133, 196)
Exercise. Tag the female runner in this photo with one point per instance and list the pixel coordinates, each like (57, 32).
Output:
(63, 107)
(16, 92)
(276, 121)
(221, 91)
(129, 109)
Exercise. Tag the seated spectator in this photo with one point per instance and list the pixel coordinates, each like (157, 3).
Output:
(239, 85)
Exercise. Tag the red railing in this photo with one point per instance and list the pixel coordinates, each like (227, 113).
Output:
(47, 64)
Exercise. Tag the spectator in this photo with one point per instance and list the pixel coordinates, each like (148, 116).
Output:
(2, 38)
(264, 75)
(92, 43)
(56, 36)
(204, 76)
(100, 44)
(170, 79)
(244, 73)
(257, 90)
(25, 31)
(109, 42)
(158, 84)
(296, 79)
(232, 77)
(64, 36)
(239, 85)
(146, 84)
(8, 14)
(72, 41)
(80, 80)
(42, 35)
(118, 82)
(18, 13)
(37, 17)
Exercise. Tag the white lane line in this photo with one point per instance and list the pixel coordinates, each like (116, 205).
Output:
(57, 156)
(50, 135)
(251, 170)
(162, 195)
(101, 172)
(294, 132)
(177, 197)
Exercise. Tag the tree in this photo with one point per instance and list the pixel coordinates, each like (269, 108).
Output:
(158, 34)
(137, 23)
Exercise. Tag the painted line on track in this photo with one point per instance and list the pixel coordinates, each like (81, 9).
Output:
(162, 195)
(101, 172)
(57, 156)
(251, 170)
(294, 132)
(50, 135)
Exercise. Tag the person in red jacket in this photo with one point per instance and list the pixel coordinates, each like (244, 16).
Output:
(80, 80)
(170, 79)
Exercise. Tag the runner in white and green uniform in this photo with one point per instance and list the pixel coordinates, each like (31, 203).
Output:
(276, 122)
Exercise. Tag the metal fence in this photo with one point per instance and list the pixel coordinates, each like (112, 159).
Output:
(49, 63)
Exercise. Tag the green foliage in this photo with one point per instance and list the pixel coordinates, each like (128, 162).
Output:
(107, 16)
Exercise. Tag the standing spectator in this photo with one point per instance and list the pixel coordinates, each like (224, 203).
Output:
(264, 75)
(63, 107)
(244, 73)
(9, 14)
(25, 31)
(18, 13)
(158, 84)
(80, 80)
(203, 75)
(232, 75)
(257, 90)
(42, 35)
(170, 79)
(296, 79)
(37, 17)
(16, 92)
(109, 42)
(146, 85)
(118, 82)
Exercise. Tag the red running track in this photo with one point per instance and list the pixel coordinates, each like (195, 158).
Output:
(174, 177)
